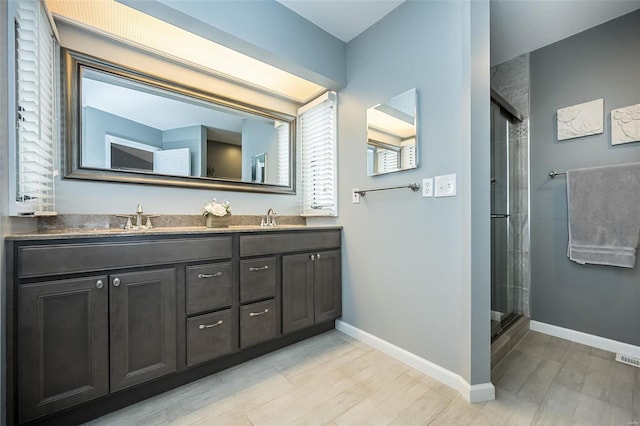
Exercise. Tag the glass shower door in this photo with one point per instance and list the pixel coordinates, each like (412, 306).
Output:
(501, 297)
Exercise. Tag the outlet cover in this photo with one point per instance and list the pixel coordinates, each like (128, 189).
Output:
(445, 186)
(427, 187)
(356, 196)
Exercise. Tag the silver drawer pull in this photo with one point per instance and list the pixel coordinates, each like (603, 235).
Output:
(264, 268)
(203, 326)
(255, 314)
(217, 274)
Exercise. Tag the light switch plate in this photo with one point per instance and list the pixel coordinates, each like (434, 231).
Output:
(427, 187)
(356, 196)
(446, 186)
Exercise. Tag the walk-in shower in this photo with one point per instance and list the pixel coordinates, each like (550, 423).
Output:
(504, 303)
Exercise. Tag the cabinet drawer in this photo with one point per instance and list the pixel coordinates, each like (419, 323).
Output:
(257, 279)
(258, 322)
(209, 287)
(288, 242)
(51, 259)
(208, 337)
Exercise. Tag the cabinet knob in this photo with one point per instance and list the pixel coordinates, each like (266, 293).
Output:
(116, 282)
(99, 284)
(318, 256)
(312, 257)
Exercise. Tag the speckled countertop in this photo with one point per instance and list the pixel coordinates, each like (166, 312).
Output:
(92, 226)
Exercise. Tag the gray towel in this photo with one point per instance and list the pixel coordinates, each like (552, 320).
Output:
(604, 214)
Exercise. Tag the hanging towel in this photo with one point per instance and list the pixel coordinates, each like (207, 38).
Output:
(604, 214)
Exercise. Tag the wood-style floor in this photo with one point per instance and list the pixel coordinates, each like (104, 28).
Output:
(332, 379)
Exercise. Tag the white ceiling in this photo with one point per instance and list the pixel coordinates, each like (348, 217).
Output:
(521, 26)
(517, 26)
(344, 19)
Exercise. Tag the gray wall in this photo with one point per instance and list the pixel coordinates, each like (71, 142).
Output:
(102, 198)
(407, 268)
(258, 138)
(98, 123)
(603, 62)
(265, 30)
(226, 159)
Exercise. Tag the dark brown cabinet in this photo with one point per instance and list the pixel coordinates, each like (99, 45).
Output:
(142, 316)
(97, 323)
(311, 289)
(209, 336)
(82, 338)
(209, 287)
(258, 322)
(63, 344)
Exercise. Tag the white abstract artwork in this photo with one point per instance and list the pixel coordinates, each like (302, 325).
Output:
(581, 120)
(625, 125)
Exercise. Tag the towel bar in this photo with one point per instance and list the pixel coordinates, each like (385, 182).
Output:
(412, 186)
(554, 174)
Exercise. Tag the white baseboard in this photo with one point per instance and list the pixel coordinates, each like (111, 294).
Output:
(472, 393)
(586, 339)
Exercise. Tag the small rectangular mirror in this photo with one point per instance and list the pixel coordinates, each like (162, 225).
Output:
(392, 141)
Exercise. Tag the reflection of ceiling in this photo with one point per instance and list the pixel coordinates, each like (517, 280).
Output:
(152, 110)
(387, 123)
(134, 27)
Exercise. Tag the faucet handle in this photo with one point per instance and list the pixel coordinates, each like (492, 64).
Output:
(139, 209)
(129, 224)
(148, 224)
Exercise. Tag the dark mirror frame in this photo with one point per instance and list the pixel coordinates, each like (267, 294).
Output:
(72, 130)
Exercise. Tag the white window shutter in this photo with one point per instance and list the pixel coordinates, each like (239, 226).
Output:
(283, 153)
(409, 156)
(317, 132)
(36, 130)
(387, 161)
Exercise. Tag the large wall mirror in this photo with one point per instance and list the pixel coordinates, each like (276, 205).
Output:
(392, 142)
(126, 126)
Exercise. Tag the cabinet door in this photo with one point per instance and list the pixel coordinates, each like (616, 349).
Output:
(327, 278)
(62, 344)
(297, 292)
(142, 309)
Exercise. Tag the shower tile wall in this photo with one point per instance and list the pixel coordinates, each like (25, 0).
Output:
(511, 80)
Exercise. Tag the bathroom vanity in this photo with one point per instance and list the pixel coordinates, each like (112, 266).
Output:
(97, 320)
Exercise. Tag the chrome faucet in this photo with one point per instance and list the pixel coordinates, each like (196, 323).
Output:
(139, 222)
(139, 216)
(269, 220)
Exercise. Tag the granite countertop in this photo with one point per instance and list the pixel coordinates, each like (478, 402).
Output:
(92, 226)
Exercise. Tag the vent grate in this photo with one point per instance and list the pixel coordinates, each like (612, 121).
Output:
(626, 359)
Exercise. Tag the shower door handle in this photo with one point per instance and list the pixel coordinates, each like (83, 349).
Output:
(499, 216)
